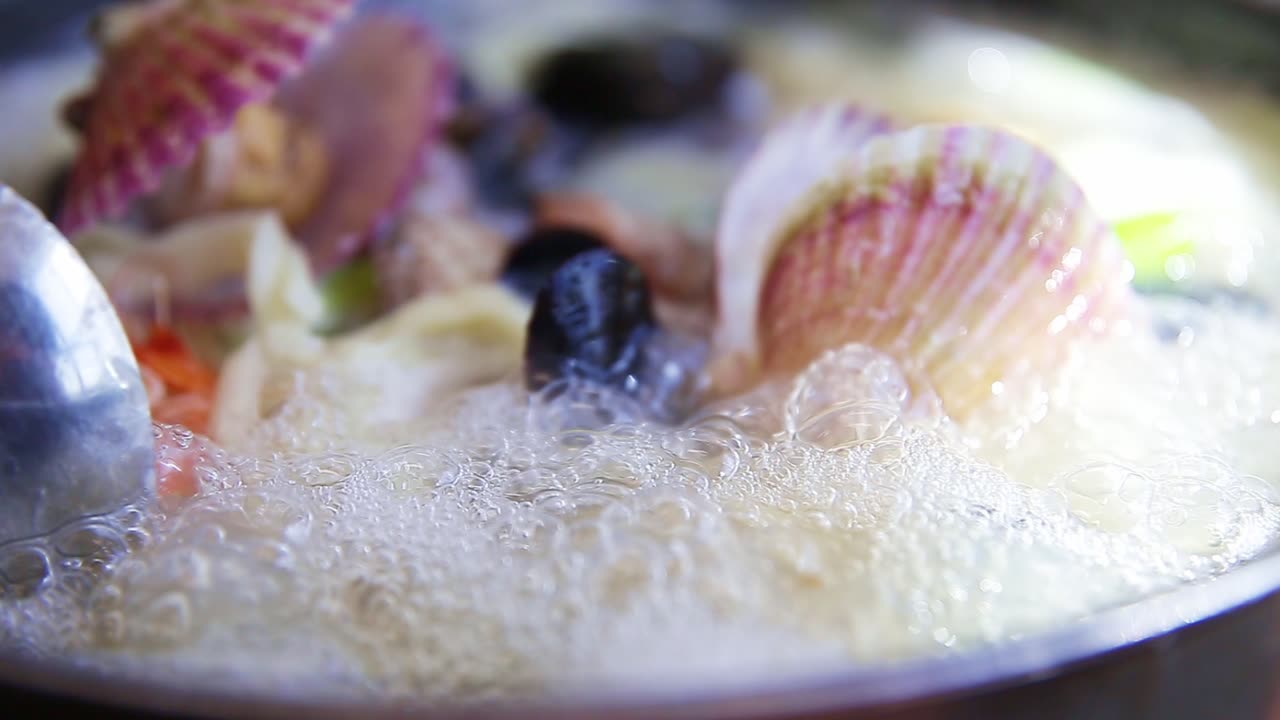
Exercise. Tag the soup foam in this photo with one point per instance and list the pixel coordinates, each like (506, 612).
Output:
(497, 550)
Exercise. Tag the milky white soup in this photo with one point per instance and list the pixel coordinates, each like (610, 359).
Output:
(389, 511)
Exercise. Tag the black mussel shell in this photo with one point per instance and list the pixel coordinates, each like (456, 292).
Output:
(537, 257)
(641, 79)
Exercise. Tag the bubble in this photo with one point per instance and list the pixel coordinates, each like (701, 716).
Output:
(854, 373)
(519, 545)
(89, 541)
(24, 571)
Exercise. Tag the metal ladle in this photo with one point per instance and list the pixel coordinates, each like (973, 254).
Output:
(75, 427)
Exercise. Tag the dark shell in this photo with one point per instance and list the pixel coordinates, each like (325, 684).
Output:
(531, 264)
(637, 80)
(591, 322)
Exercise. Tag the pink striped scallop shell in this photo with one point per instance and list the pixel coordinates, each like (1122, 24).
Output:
(178, 77)
(795, 157)
(964, 252)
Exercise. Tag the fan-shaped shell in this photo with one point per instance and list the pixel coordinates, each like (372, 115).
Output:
(795, 157)
(379, 95)
(179, 75)
(964, 252)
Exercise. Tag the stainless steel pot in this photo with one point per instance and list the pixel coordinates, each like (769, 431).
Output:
(1207, 651)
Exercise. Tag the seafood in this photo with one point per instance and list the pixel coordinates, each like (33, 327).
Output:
(964, 252)
(201, 107)
(172, 77)
(792, 159)
(265, 160)
(392, 69)
(678, 265)
(541, 252)
(668, 77)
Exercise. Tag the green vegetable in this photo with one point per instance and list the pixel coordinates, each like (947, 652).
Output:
(1151, 242)
(351, 296)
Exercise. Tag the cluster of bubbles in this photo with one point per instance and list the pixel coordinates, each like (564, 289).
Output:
(510, 545)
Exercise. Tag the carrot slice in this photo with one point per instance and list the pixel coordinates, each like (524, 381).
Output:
(180, 390)
(166, 354)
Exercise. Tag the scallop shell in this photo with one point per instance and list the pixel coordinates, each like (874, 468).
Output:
(379, 96)
(176, 77)
(964, 252)
(793, 158)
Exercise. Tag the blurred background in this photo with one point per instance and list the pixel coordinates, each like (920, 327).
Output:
(1221, 36)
